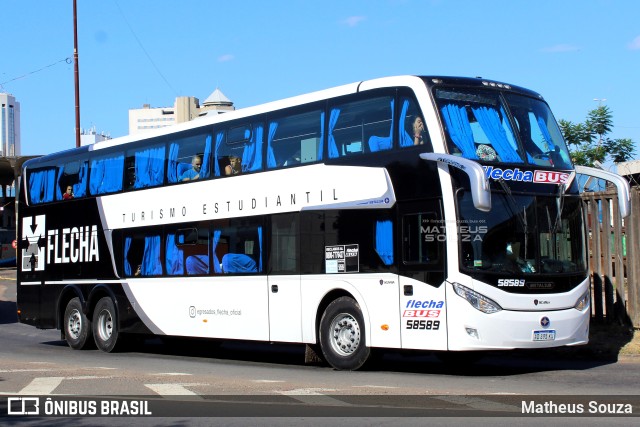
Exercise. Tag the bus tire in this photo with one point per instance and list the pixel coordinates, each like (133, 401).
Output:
(77, 326)
(105, 325)
(342, 335)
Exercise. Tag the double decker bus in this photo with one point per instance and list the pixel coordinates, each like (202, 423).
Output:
(410, 212)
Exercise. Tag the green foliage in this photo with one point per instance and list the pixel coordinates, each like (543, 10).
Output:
(588, 141)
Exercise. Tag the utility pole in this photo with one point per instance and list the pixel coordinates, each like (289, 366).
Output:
(76, 73)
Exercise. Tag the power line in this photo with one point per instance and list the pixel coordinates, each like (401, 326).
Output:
(67, 60)
(144, 50)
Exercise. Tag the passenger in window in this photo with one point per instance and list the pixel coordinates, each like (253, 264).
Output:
(234, 167)
(68, 194)
(194, 172)
(418, 131)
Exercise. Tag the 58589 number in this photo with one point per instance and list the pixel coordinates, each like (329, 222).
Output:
(423, 324)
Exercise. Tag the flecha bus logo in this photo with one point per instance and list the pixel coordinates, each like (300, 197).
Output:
(33, 231)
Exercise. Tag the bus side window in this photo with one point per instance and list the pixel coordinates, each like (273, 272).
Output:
(41, 185)
(142, 255)
(413, 130)
(295, 139)
(189, 158)
(284, 255)
(72, 180)
(105, 174)
(361, 126)
(145, 167)
(423, 235)
(237, 249)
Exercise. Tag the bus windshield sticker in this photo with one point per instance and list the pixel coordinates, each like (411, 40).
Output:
(341, 259)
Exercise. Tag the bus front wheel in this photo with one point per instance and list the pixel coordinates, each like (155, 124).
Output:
(342, 335)
(105, 325)
(77, 326)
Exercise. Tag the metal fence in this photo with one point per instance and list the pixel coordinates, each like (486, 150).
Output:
(614, 257)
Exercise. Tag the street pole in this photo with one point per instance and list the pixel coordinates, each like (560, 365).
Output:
(76, 73)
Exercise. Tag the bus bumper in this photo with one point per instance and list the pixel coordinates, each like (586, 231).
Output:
(475, 330)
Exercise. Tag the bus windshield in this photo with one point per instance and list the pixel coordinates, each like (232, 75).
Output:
(522, 234)
(485, 126)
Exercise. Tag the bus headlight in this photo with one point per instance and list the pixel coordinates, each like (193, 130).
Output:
(583, 302)
(478, 301)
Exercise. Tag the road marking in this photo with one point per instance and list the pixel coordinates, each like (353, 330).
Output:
(372, 386)
(312, 396)
(172, 389)
(268, 381)
(170, 374)
(42, 386)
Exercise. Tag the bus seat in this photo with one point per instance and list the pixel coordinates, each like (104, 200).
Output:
(182, 168)
(380, 143)
(197, 264)
(238, 263)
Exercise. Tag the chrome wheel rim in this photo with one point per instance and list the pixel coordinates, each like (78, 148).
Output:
(345, 334)
(105, 325)
(74, 324)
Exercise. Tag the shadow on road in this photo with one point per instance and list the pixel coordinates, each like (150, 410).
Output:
(498, 363)
(8, 312)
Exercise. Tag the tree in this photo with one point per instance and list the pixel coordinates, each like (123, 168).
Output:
(588, 141)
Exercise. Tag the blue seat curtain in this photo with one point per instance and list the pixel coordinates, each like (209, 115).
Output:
(174, 257)
(205, 168)
(271, 158)
(490, 122)
(172, 163)
(321, 145)
(216, 162)
(252, 154)
(545, 133)
(384, 241)
(41, 186)
(127, 265)
(405, 138)
(332, 148)
(59, 189)
(216, 262)
(105, 175)
(149, 167)
(381, 143)
(80, 189)
(151, 263)
(457, 122)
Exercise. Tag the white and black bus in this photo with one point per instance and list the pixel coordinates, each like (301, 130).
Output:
(423, 213)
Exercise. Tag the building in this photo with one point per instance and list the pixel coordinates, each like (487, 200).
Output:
(184, 109)
(631, 171)
(90, 136)
(9, 126)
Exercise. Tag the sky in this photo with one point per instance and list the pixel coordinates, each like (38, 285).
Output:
(576, 53)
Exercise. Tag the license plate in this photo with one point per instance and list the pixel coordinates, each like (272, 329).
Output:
(544, 335)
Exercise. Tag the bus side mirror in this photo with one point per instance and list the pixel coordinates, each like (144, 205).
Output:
(480, 190)
(621, 185)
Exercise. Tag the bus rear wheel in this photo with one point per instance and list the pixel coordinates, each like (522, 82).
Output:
(105, 325)
(342, 335)
(77, 326)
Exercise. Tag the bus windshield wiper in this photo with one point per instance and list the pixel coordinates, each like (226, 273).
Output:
(562, 191)
(513, 204)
